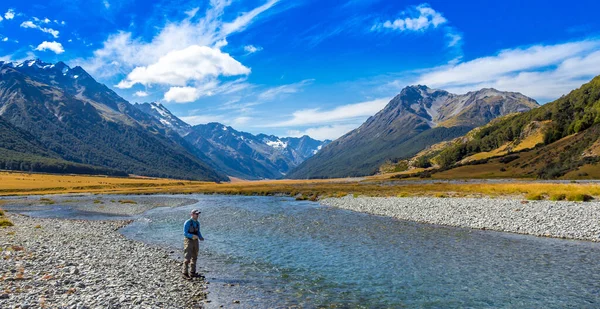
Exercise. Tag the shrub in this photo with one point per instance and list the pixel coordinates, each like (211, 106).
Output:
(558, 197)
(441, 195)
(508, 159)
(579, 197)
(534, 197)
(403, 194)
(5, 222)
(2, 213)
(127, 202)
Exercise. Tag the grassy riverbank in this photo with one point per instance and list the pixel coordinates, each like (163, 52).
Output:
(32, 184)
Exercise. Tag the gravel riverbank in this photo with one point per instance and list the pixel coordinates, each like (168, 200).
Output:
(61, 263)
(572, 220)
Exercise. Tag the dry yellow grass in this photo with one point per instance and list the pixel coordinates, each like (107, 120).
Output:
(530, 141)
(309, 189)
(502, 150)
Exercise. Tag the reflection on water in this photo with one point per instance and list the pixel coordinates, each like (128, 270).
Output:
(277, 252)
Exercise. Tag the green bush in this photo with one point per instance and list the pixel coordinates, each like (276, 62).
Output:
(5, 222)
(579, 197)
(558, 197)
(534, 197)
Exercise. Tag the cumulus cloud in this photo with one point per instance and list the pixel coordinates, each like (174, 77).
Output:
(30, 24)
(544, 72)
(182, 94)
(176, 68)
(140, 94)
(122, 51)
(420, 18)
(344, 113)
(53, 46)
(5, 39)
(10, 14)
(251, 49)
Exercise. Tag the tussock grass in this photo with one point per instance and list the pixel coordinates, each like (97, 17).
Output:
(302, 189)
(534, 196)
(5, 222)
(2, 213)
(558, 197)
(127, 202)
(578, 197)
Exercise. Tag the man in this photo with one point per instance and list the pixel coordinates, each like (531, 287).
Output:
(191, 231)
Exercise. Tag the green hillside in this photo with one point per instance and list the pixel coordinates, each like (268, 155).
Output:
(569, 139)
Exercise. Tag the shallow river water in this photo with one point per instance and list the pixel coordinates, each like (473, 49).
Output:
(271, 252)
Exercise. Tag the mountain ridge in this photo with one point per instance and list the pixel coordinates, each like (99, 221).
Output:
(415, 110)
(85, 122)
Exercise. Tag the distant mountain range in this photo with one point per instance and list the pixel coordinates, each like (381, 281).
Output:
(239, 154)
(416, 118)
(54, 118)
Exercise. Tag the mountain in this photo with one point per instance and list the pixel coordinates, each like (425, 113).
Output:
(247, 156)
(84, 122)
(165, 117)
(416, 118)
(20, 151)
(557, 140)
(236, 153)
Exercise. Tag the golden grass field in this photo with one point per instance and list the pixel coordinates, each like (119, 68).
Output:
(32, 184)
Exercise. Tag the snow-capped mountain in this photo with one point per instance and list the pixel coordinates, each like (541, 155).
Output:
(236, 153)
(84, 122)
(165, 117)
(247, 156)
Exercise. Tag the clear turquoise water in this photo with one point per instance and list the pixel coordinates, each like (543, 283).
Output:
(278, 252)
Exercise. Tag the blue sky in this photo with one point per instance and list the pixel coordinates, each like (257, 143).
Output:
(307, 67)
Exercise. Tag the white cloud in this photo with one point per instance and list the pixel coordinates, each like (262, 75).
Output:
(46, 20)
(30, 24)
(5, 39)
(106, 4)
(331, 132)
(278, 91)
(420, 18)
(1, 19)
(544, 72)
(10, 14)
(140, 94)
(454, 39)
(251, 49)
(53, 46)
(192, 12)
(244, 20)
(178, 67)
(343, 113)
(182, 94)
(130, 52)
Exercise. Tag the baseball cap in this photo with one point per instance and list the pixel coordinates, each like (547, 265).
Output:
(195, 211)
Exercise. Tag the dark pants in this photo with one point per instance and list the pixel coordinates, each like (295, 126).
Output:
(190, 253)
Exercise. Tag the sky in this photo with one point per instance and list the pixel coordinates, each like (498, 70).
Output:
(314, 67)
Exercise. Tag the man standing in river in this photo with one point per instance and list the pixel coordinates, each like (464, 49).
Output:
(191, 231)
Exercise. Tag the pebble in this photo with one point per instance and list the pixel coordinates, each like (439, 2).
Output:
(100, 268)
(562, 219)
